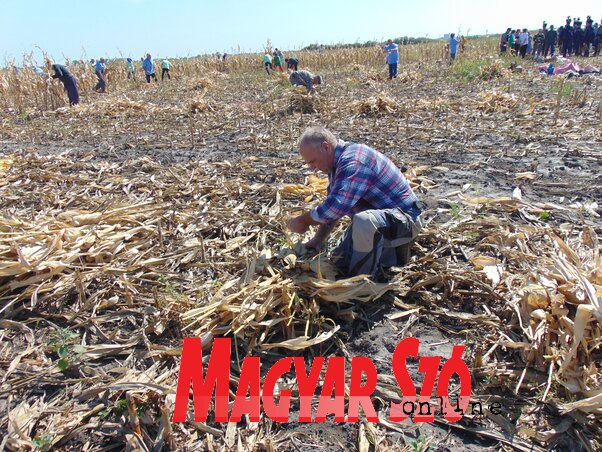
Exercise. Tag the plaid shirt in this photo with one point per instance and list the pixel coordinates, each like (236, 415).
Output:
(302, 78)
(364, 179)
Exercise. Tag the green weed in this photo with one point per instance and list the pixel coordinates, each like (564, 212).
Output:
(43, 442)
(65, 344)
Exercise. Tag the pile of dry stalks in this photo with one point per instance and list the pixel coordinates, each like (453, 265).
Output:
(103, 266)
(376, 106)
(496, 101)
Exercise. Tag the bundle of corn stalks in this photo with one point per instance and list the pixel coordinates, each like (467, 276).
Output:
(492, 71)
(496, 101)
(200, 84)
(200, 105)
(376, 106)
(300, 101)
(5, 164)
(126, 104)
(409, 76)
(434, 103)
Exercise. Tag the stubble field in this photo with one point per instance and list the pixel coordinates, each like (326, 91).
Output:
(156, 212)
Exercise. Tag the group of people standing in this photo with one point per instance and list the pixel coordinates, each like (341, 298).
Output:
(571, 39)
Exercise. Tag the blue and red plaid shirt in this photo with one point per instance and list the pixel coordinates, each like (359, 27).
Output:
(363, 179)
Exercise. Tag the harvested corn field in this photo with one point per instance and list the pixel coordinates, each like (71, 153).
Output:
(157, 212)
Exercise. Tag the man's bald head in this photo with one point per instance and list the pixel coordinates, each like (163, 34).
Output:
(317, 147)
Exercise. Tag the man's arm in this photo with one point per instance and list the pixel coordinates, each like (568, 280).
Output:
(321, 234)
(351, 183)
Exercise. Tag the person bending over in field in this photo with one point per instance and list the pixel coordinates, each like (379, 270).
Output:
(306, 79)
(366, 186)
(292, 63)
(149, 68)
(278, 62)
(63, 74)
(267, 63)
(165, 67)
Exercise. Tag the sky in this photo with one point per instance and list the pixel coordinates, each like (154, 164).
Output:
(178, 28)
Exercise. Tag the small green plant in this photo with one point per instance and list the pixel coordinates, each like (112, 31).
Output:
(420, 444)
(119, 409)
(469, 69)
(455, 210)
(284, 242)
(567, 88)
(545, 215)
(353, 84)
(170, 290)
(43, 442)
(64, 344)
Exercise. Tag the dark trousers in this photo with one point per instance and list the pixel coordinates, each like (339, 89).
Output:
(71, 88)
(268, 67)
(132, 75)
(587, 44)
(392, 71)
(101, 86)
(523, 50)
(549, 48)
(163, 72)
(149, 76)
(566, 48)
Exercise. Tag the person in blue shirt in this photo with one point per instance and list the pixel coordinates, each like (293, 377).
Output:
(453, 47)
(149, 68)
(100, 69)
(392, 58)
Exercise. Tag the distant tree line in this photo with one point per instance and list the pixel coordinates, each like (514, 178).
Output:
(404, 40)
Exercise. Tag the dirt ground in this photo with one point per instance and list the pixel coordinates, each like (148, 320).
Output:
(466, 143)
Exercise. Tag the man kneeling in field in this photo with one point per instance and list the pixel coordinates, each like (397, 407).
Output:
(367, 186)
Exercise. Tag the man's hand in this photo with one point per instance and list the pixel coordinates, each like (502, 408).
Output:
(321, 235)
(298, 224)
(313, 244)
